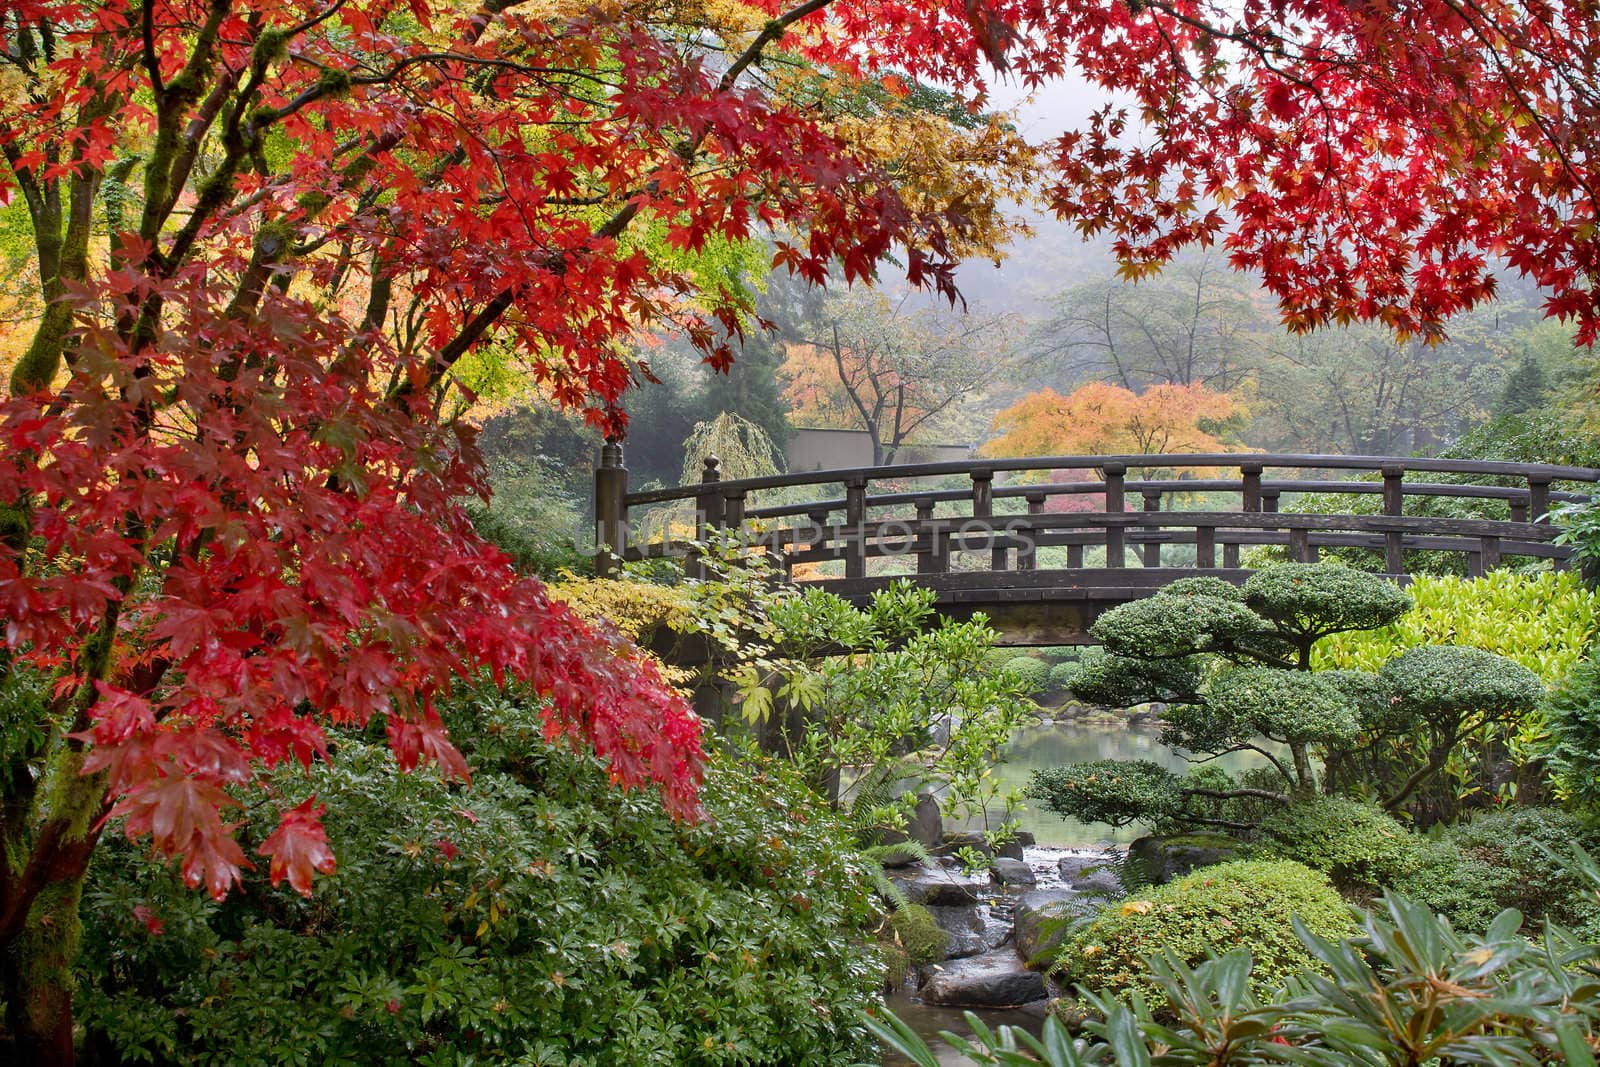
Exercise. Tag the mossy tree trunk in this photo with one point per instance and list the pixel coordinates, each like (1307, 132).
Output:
(40, 930)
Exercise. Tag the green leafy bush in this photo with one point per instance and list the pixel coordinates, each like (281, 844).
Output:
(1517, 847)
(541, 917)
(1248, 904)
(1572, 749)
(1034, 674)
(1062, 674)
(1116, 792)
(1356, 845)
(1543, 621)
(1461, 888)
(1408, 989)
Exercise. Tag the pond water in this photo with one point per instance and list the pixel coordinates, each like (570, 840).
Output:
(1055, 744)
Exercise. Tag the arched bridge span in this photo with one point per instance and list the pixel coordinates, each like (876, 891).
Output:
(1043, 545)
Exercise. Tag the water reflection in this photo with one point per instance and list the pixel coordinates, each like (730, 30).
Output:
(1056, 744)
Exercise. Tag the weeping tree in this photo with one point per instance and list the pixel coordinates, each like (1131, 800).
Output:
(1233, 666)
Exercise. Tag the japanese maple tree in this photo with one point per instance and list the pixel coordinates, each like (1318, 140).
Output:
(266, 234)
(1101, 419)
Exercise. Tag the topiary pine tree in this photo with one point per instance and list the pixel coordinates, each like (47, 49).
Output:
(1234, 667)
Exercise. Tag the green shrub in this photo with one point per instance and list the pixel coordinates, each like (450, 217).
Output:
(1061, 676)
(1115, 792)
(541, 917)
(1034, 674)
(1358, 846)
(1516, 846)
(1247, 904)
(1572, 748)
(1543, 621)
(1463, 889)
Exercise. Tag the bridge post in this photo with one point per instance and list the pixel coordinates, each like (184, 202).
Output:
(983, 508)
(733, 508)
(1249, 502)
(708, 502)
(1250, 475)
(933, 556)
(1028, 550)
(1115, 535)
(708, 511)
(610, 508)
(1152, 549)
(855, 517)
(1394, 500)
(1538, 498)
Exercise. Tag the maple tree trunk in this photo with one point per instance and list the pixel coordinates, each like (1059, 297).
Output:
(37, 968)
(47, 860)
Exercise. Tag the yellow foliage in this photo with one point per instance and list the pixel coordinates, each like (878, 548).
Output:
(939, 166)
(636, 609)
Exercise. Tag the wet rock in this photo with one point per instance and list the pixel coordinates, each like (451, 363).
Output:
(1008, 871)
(940, 886)
(926, 826)
(1012, 849)
(954, 840)
(1092, 874)
(1158, 860)
(992, 980)
(1041, 922)
(965, 926)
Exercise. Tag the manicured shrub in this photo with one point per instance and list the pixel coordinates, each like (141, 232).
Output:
(539, 917)
(1461, 888)
(1358, 846)
(1061, 675)
(1248, 904)
(1115, 792)
(1034, 674)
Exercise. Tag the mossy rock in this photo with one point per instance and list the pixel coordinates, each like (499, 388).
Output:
(1158, 859)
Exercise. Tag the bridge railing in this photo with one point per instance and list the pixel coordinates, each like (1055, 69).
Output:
(912, 512)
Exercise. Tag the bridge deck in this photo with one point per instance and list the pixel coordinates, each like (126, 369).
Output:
(1044, 557)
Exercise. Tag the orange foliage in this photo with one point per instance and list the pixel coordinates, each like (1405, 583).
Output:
(1100, 419)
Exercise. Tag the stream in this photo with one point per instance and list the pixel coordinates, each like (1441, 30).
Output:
(1050, 744)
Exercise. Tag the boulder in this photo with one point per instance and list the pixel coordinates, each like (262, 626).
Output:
(926, 826)
(1091, 873)
(955, 840)
(965, 926)
(925, 885)
(1158, 860)
(1012, 849)
(993, 980)
(1038, 929)
(1012, 872)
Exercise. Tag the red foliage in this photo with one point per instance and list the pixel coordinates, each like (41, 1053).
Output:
(242, 499)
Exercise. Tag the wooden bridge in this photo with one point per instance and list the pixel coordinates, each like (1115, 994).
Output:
(1042, 558)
